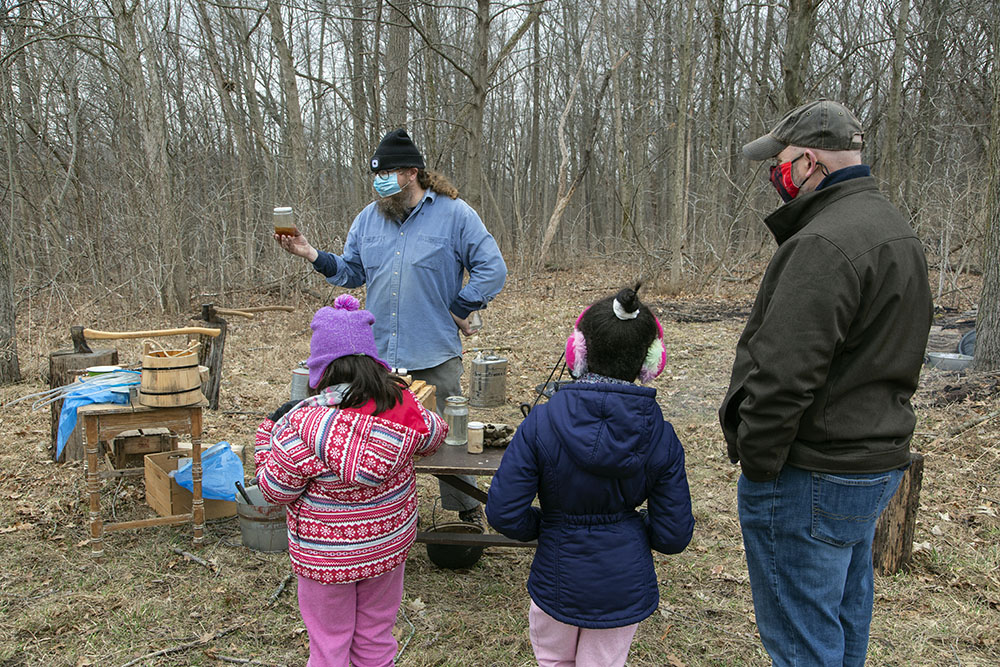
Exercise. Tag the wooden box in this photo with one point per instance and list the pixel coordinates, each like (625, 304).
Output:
(130, 447)
(425, 393)
(168, 497)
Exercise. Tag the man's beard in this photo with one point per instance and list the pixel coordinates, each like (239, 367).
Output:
(394, 207)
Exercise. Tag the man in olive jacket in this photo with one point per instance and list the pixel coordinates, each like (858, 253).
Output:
(818, 410)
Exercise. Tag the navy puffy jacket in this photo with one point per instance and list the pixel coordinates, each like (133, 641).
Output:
(592, 454)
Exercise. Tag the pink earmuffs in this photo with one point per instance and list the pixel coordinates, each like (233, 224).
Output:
(652, 366)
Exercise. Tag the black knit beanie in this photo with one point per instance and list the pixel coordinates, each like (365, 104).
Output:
(396, 151)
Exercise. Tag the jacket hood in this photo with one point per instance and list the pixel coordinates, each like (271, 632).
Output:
(607, 429)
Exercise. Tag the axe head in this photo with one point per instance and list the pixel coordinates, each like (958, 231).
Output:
(79, 342)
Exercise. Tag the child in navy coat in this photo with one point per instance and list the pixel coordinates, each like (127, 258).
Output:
(595, 452)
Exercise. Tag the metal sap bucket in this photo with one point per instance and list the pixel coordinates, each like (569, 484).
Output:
(262, 525)
(300, 384)
(488, 385)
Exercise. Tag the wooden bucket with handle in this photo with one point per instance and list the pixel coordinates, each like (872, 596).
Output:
(170, 378)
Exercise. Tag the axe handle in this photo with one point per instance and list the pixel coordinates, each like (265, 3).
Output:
(229, 311)
(262, 309)
(93, 333)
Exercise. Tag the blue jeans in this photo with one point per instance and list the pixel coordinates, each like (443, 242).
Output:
(808, 541)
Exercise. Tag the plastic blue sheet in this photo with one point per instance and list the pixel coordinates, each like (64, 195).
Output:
(85, 395)
(220, 470)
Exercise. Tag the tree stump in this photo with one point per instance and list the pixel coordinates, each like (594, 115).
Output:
(210, 354)
(893, 544)
(64, 366)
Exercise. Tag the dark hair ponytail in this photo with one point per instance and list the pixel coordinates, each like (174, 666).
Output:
(629, 298)
(367, 380)
(617, 347)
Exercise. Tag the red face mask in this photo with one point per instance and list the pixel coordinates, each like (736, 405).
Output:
(781, 179)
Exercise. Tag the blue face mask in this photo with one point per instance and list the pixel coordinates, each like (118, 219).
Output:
(387, 185)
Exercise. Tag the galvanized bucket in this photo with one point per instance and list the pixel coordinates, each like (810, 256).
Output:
(488, 384)
(262, 525)
(300, 384)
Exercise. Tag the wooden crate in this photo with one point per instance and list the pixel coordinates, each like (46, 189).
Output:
(130, 447)
(168, 497)
(425, 393)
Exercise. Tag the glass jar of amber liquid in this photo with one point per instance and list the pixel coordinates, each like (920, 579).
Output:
(284, 223)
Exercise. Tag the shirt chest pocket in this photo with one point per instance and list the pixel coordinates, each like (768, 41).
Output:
(431, 252)
(375, 249)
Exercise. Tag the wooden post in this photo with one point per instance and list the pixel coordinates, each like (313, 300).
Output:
(64, 366)
(197, 502)
(210, 354)
(893, 544)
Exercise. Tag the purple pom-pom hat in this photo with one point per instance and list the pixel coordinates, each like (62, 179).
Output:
(340, 331)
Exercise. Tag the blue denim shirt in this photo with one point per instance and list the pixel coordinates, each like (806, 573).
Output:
(413, 271)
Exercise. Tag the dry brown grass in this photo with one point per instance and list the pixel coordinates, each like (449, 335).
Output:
(59, 608)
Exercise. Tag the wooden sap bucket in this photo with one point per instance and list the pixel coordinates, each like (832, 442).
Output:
(170, 378)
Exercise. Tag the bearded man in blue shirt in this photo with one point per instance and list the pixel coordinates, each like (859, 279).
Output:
(410, 247)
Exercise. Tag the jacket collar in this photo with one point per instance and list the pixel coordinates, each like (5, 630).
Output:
(796, 214)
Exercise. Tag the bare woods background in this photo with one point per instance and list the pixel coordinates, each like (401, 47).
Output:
(143, 143)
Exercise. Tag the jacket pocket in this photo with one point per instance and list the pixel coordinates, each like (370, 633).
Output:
(844, 509)
(731, 415)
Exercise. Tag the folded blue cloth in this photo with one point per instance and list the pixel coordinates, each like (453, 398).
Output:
(85, 395)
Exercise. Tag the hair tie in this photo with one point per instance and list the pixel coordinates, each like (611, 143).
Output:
(620, 311)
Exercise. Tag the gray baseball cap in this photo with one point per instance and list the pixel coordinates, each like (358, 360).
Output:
(822, 124)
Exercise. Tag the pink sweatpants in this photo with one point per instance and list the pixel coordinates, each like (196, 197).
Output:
(557, 644)
(352, 621)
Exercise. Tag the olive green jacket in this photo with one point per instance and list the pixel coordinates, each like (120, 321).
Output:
(832, 350)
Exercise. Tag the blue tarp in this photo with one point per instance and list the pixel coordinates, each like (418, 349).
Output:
(220, 470)
(85, 395)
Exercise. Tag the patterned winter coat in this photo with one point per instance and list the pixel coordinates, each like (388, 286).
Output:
(347, 479)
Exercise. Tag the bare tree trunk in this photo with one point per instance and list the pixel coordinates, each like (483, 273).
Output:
(477, 103)
(987, 357)
(932, 13)
(294, 133)
(397, 60)
(223, 85)
(146, 90)
(10, 370)
(566, 191)
(678, 192)
(358, 73)
(536, 198)
(798, 43)
(895, 111)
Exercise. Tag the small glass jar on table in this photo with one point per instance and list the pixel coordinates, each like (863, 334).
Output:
(475, 444)
(456, 415)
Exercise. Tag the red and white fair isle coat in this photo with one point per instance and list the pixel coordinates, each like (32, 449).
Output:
(347, 479)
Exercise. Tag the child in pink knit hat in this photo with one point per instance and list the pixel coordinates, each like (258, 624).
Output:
(341, 461)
